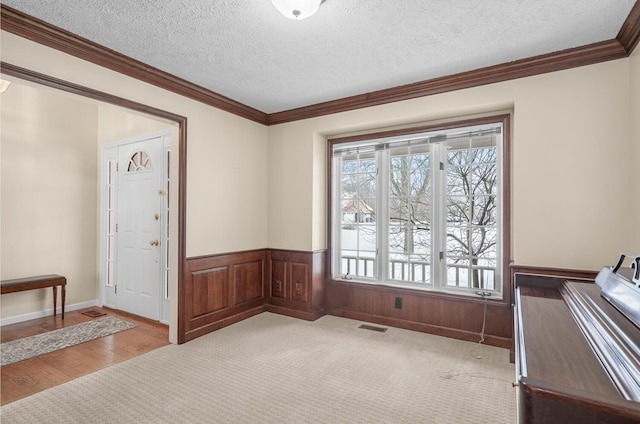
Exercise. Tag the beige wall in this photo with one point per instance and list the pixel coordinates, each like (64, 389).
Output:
(571, 137)
(42, 128)
(634, 157)
(572, 131)
(291, 188)
(48, 204)
(116, 124)
(227, 170)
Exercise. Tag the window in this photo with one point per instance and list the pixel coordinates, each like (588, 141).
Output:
(139, 161)
(111, 222)
(421, 209)
(167, 230)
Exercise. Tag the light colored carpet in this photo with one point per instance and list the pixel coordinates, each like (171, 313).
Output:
(30, 347)
(275, 369)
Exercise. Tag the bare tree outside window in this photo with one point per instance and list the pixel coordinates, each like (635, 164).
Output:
(421, 212)
(409, 215)
(471, 216)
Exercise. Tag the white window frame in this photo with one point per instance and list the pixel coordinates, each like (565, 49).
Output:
(437, 277)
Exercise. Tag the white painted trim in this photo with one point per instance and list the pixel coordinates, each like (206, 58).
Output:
(46, 312)
(110, 151)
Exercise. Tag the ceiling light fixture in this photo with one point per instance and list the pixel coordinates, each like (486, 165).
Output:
(297, 9)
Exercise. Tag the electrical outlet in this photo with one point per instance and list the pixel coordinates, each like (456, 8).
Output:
(398, 303)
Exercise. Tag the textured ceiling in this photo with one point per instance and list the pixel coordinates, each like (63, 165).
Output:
(247, 51)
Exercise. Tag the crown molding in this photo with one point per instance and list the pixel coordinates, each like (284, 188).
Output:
(557, 61)
(618, 48)
(46, 34)
(41, 32)
(629, 34)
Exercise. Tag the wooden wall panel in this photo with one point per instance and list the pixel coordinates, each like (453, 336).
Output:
(210, 291)
(451, 316)
(318, 282)
(296, 281)
(279, 278)
(300, 274)
(249, 281)
(223, 289)
(459, 317)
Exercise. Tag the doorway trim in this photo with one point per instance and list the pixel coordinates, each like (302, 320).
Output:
(69, 87)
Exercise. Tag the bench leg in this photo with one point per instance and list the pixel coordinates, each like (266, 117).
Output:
(55, 299)
(63, 294)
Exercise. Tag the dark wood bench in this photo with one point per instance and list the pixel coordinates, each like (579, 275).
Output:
(38, 282)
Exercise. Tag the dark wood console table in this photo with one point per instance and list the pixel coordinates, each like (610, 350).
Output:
(560, 377)
(38, 282)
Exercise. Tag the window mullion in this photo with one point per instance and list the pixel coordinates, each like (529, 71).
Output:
(499, 205)
(438, 210)
(336, 215)
(382, 221)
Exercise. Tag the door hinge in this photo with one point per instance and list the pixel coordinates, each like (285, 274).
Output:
(116, 289)
(117, 166)
(441, 255)
(442, 166)
(116, 228)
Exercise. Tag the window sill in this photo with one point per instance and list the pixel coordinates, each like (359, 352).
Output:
(414, 290)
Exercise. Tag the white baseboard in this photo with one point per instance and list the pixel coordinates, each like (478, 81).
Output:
(46, 312)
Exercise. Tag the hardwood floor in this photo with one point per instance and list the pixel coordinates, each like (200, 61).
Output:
(25, 378)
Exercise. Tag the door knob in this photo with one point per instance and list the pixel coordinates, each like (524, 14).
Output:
(154, 242)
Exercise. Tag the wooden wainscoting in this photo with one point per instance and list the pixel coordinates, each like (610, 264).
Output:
(451, 316)
(223, 289)
(296, 283)
(226, 288)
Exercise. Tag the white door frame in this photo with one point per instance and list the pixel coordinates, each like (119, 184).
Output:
(109, 152)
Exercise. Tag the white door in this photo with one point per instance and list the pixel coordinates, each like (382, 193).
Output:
(139, 231)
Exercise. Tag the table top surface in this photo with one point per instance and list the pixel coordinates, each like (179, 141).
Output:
(33, 280)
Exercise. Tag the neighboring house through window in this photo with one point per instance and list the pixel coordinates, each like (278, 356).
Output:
(422, 208)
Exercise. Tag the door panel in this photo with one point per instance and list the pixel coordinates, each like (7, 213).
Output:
(139, 227)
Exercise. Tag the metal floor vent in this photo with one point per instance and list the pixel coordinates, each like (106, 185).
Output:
(373, 328)
(93, 313)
